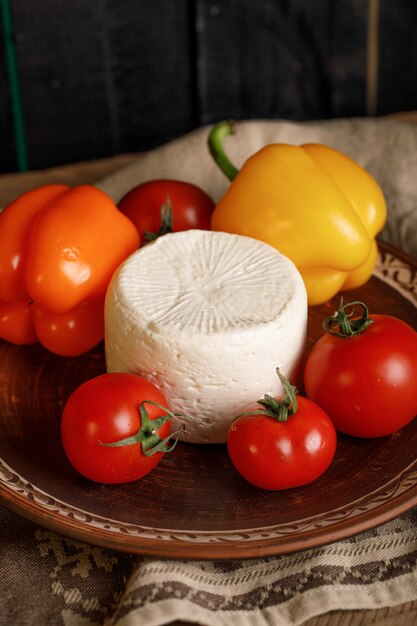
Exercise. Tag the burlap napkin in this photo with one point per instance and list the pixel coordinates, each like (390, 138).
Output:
(63, 581)
(386, 148)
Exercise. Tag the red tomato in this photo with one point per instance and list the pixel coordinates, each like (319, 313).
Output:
(191, 207)
(272, 454)
(105, 410)
(366, 383)
(71, 333)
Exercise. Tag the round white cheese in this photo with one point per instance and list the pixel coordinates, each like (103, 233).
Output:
(208, 317)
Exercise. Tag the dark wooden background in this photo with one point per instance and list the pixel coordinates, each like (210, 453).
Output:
(102, 77)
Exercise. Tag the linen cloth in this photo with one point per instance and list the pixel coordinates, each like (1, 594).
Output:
(386, 148)
(49, 579)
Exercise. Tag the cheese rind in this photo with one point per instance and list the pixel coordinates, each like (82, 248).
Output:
(207, 316)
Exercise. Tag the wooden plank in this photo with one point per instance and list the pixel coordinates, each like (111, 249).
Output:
(348, 58)
(8, 161)
(262, 59)
(397, 87)
(112, 76)
(99, 78)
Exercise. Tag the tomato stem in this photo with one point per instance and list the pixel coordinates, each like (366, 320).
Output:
(166, 222)
(215, 143)
(147, 435)
(340, 325)
(281, 409)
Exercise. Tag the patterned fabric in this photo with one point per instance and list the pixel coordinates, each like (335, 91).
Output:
(61, 581)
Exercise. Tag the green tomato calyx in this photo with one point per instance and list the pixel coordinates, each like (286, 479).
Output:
(147, 435)
(167, 225)
(281, 409)
(341, 324)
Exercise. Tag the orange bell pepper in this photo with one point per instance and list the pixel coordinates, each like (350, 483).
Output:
(59, 247)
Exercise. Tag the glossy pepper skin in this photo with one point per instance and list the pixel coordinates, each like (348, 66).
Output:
(59, 247)
(314, 204)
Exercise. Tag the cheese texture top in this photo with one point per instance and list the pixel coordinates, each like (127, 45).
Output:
(207, 316)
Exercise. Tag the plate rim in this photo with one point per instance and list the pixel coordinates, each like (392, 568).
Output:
(194, 550)
(29, 508)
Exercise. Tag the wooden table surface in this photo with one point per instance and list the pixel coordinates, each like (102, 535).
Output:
(12, 185)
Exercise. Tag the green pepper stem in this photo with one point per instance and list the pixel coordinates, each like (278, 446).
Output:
(340, 325)
(215, 143)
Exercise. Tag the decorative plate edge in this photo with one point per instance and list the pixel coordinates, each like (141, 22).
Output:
(390, 269)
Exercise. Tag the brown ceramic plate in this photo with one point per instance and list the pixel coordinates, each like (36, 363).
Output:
(194, 505)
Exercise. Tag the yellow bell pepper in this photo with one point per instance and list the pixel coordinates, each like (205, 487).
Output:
(314, 204)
